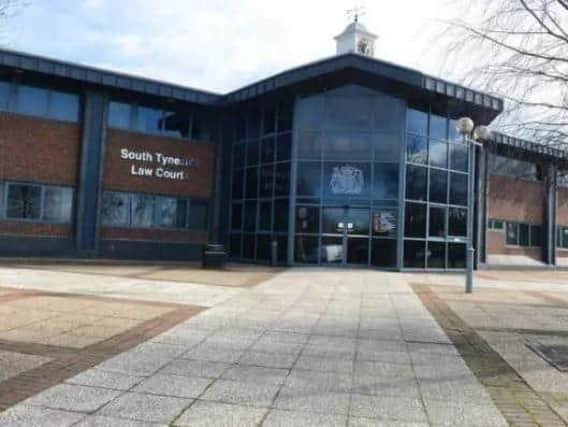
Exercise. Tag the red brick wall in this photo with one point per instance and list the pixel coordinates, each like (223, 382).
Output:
(39, 150)
(198, 182)
(43, 151)
(517, 200)
(562, 215)
(175, 236)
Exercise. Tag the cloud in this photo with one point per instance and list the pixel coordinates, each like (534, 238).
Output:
(217, 45)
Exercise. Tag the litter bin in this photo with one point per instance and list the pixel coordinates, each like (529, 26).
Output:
(214, 257)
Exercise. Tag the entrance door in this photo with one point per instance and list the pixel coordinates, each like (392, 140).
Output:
(345, 239)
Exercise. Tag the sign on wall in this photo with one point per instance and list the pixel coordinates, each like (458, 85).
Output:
(158, 165)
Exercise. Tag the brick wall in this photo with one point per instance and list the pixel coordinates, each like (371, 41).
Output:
(198, 181)
(562, 215)
(43, 151)
(515, 200)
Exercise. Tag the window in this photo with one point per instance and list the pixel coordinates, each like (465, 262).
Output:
(176, 124)
(198, 215)
(309, 179)
(57, 204)
(417, 149)
(436, 254)
(119, 115)
(524, 235)
(437, 222)
(33, 101)
(269, 121)
(458, 157)
(438, 154)
(166, 212)
(496, 225)
(4, 96)
(414, 254)
(415, 223)
(416, 182)
(24, 201)
(417, 122)
(512, 234)
(307, 219)
(386, 181)
(458, 189)
(142, 210)
(438, 127)
(438, 186)
(149, 120)
(457, 226)
(116, 209)
(64, 106)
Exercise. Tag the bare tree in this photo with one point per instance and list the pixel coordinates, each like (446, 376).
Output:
(518, 49)
(8, 8)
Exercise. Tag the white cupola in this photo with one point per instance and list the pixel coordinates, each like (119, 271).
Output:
(356, 39)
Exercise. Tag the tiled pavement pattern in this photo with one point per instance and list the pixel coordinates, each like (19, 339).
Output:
(46, 338)
(308, 347)
(507, 320)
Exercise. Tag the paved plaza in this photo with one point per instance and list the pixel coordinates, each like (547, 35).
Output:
(298, 347)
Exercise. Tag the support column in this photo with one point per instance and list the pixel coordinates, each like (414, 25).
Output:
(89, 191)
(481, 206)
(549, 226)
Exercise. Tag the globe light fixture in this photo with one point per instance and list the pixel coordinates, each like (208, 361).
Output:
(482, 134)
(465, 126)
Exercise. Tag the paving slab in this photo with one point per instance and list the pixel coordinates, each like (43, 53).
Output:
(25, 416)
(216, 414)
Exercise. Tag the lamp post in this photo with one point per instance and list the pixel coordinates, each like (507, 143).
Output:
(472, 136)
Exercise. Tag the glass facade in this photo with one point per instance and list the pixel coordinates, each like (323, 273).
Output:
(435, 218)
(366, 182)
(261, 173)
(347, 186)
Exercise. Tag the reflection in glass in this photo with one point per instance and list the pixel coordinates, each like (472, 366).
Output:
(387, 147)
(237, 216)
(458, 157)
(267, 150)
(333, 220)
(415, 220)
(384, 253)
(438, 186)
(177, 125)
(417, 122)
(57, 204)
(307, 219)
(457, 222)
(249, 246)
(358, 251)
(198, 215)
(332, 251)
(166, 211)
(33, 101)
(414, 254)
(310, 145)
(437, 222)
(282, 181)
(416, 182)
(149, 120)
(281, 215)
(309, 179)
(252, 183)
(142, 210)
(284, 147)
(385, 222)
(386, 181)
(307, 249)
(116, 208)
(252, 153)
(269, 120)
(263, 247)
(417, 149)
(350, 112)
(235, 245)
(265, 220)
(436, 255)
(456, 256)
(438, 127)
(458, 189)
(266, 181)
(238, 177)
(250, 216)
(438, 154)
(4, 95)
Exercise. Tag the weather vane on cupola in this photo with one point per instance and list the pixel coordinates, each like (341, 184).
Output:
(355, 13)
(356, 38)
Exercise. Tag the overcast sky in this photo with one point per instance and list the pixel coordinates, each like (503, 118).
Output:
(220, 45)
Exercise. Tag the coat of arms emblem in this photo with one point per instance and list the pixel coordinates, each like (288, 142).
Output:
(347, 180)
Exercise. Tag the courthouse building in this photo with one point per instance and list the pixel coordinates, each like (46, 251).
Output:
(347, 161)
